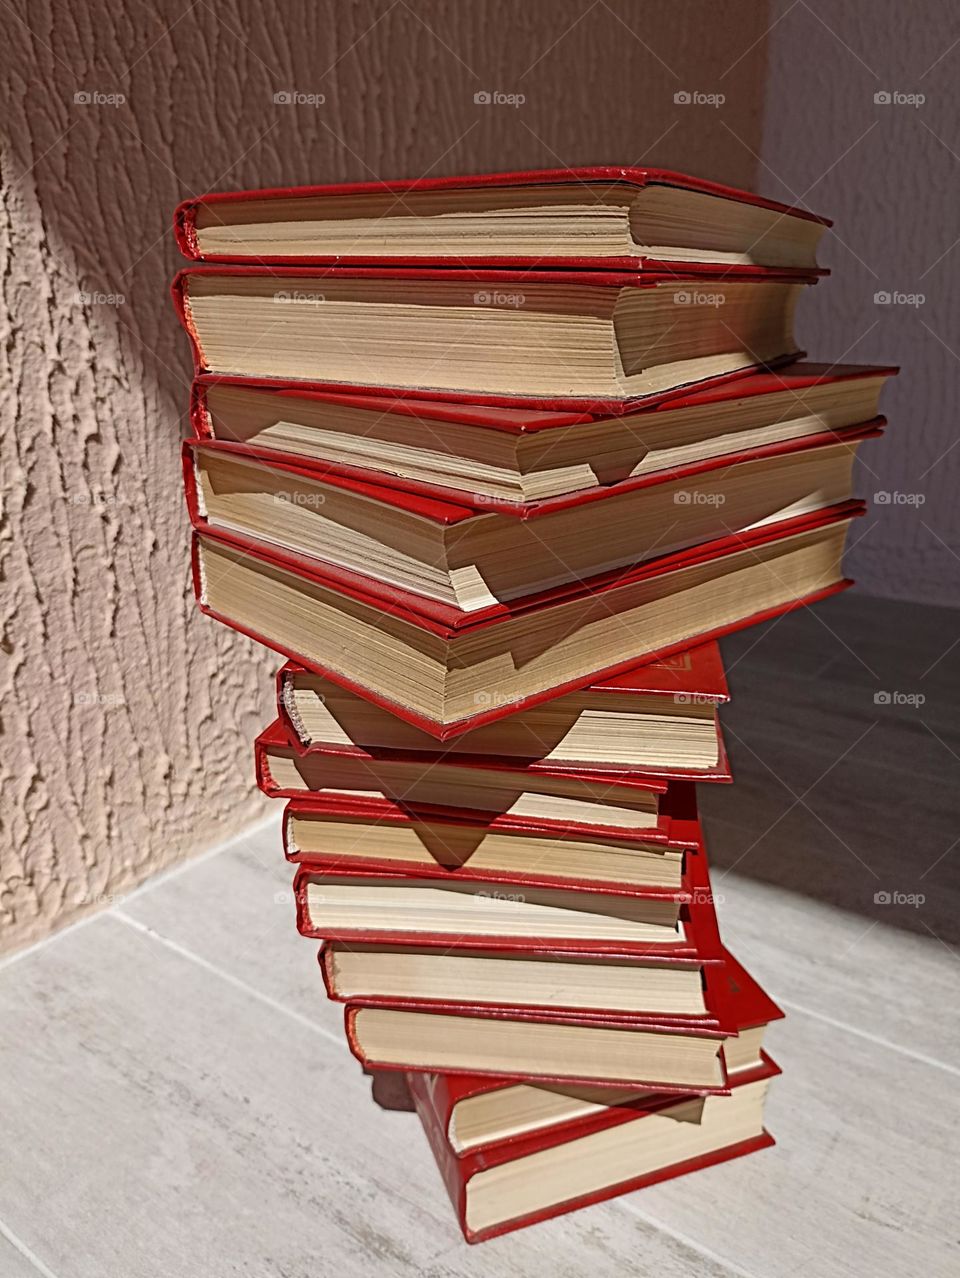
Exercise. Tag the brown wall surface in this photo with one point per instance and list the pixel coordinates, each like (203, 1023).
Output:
(128, 718)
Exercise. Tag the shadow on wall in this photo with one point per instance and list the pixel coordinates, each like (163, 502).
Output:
(129, 718)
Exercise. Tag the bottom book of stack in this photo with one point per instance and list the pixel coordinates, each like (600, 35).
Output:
(513, 1152)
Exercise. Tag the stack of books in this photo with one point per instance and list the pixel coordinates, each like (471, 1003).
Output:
(493, 462)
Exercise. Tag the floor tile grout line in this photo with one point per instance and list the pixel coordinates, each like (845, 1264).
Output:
(153, 881)
(266, 999)
(250, 990)
(18, 1245)
(182, 867)
(700, 1248)
(921, 1057)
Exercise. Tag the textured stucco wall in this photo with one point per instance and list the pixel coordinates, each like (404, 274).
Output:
(127, 718)
(888, 172)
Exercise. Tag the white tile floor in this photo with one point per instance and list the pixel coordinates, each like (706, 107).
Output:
(176, 1099)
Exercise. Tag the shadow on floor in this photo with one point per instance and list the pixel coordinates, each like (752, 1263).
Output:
(844, 734)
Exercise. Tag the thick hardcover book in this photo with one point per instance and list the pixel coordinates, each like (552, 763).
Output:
(456, 510)
(355, 831)
(470, 557)
(618, 1149)
(515, 459)
(594, 338)
(670, 990)
(477, 1111)
(489, 788)
(689, 927)
(659, 718)
(484, 665)
(597, 216)
(285, 769)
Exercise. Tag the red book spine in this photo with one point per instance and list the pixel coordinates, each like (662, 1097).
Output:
(431, 1098)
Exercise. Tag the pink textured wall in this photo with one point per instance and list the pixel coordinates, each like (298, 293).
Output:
(127, 718)
(888, 172)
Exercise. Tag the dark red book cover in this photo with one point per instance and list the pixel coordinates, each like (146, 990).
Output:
(185, 217)
(457, 1171)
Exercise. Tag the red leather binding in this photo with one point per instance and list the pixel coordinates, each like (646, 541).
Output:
(447, 622)
(431, 1103)
(610, 405)
(794, 377)
(698, 915)
(186, 213)
(440, 507)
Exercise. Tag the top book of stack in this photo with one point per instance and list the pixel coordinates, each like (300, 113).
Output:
(601, 217)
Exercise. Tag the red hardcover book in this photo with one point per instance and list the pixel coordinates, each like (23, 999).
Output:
(695, 935)
(327, 767)
(707, 969)
(468, 557)
(544, 289)
(317, 713)
(792, 379)
(614, 607)
(352, 831)
(469, 1127)
(447, 509)
(619, 1149)
(423, 199)
(615, 1050)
